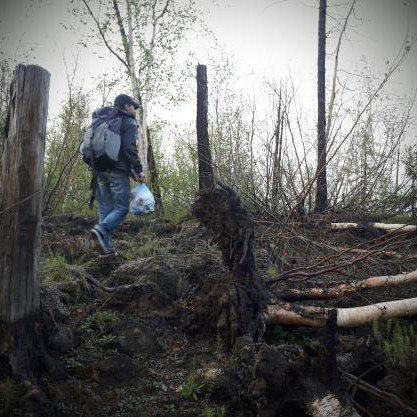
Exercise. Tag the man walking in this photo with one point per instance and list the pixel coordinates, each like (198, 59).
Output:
(113, 185)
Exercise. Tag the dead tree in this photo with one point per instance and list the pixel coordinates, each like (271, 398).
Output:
(238, 298)
(321, 192)
(20, 223)
(205, 169)
(153, 177)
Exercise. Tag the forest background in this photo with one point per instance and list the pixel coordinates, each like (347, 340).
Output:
(262, 65)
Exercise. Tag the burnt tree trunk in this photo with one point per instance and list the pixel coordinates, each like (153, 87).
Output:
(205, 168)
(240, 296)
(20, 223)
(153, 176)
(321, 191)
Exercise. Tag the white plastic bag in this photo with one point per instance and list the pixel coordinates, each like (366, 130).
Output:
(143, 202)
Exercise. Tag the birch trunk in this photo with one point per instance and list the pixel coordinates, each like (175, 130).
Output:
(390, 228)
(346, 317)
(343, 290)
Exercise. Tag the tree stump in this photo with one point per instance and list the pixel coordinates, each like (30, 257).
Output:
(20, 224)
(241, 296)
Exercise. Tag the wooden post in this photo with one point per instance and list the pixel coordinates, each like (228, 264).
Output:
(20, 218)
(205, 169)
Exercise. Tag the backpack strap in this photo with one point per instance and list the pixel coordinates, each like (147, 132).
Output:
(93, 182)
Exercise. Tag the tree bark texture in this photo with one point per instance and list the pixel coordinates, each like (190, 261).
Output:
(20, 216)
(321, 191)
(205, 168)
(21, 193)
(240, 297)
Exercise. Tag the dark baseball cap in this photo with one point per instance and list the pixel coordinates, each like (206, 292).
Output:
(123, 99)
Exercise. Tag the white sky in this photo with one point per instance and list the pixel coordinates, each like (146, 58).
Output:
(269, 38)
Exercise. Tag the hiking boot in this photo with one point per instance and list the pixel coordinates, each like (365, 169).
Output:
(104, 240)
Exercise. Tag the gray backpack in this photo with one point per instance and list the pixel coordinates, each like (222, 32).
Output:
(101, 143)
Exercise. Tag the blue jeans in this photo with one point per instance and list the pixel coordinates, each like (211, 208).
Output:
(113, 192)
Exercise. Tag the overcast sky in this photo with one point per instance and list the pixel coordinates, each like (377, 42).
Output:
(266, 37)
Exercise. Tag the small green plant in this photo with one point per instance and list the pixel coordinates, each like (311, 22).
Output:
(192, 387)
(220, 346)
(398, 338)
(148, 248)
(108, 340)
(273, 271)
(215, 411)
(56, 269)
(277, 335)
(98, 321)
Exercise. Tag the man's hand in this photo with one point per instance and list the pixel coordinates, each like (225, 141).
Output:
(141, 177)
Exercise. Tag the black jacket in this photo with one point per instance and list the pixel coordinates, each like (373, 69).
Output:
(129, 133)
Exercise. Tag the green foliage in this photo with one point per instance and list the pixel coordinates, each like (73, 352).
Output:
(99, 320)
(5, 78)
(10, 394)
(398, 339)
(277, 335)
(215, 411)
(56, 269)
(220, 344)
(148, 248)
(273, 271)
(178, 174)
(66, 177)
(192, 387)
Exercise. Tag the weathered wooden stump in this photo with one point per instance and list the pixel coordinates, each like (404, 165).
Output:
(241, 297)
(21, 340)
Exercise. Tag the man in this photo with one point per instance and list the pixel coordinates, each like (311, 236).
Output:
(113, 185)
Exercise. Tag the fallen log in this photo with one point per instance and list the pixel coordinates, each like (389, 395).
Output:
(294, 315)
(386, 227)
(383, 253)
(342, 290)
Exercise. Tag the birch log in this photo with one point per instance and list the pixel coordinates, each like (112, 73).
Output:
(294, 315)
(343, 290)
(391, 228)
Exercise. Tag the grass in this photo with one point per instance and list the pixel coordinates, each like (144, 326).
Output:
(215, 411)
(56, 269)
(192, 388)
